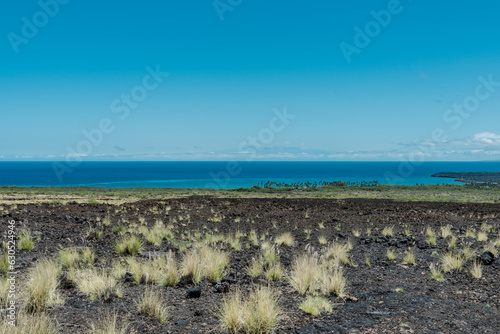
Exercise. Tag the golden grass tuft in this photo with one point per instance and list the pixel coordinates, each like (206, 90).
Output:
(259, 313)
(29, 323)
(204, 261)
(451, 261)
(315, 305)
(153, 305)
(129, 245)
(42, 287)
(96, 283)
(286, 239)
(108, 324)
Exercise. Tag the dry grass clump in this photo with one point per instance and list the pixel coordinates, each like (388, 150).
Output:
(429, 232)
(310, 275)
(28, 323)
(305, 273)
(446, 231)
(322, 240)
(468, 252)
(452, 261)
(391, 254)
(76, 258)
(476, 270)
(333, 281)
(286, 239)
(204, 261)
(25, 240)
(388, 231)
(129, 246)
(153, 305)
(42, 287)
(4, 292)
(4, 262)
(259, 313)
(256, 267)
(469, 233)
(409, 257)
(492, 247)
(158, 233)
(96, 283)
(108, 324)
(338, 254)
(159, 270)
(436, 272)
(482, 236)
(315, 305)
(274, 271)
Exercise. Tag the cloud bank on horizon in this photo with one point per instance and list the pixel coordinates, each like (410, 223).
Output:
(250, 80)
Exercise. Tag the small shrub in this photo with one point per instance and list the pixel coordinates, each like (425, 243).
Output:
(314, 305)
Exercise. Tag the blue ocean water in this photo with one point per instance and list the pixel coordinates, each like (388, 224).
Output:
(227, 174)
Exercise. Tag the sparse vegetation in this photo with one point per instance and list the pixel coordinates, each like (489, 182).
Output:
(153, 305)
(25, 240)
(259, 313)
(42, 287)
(315, 305)
(129, 246)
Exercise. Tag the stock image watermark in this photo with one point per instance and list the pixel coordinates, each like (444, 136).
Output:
(32, 25)
(251, 146)
(373, 28)
(454, 118)
(223, 6)
(122, 107)
(11, 303)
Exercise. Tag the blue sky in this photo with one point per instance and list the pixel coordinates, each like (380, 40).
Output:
(233, 66)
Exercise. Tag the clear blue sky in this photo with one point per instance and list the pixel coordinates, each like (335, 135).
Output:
(226, 76)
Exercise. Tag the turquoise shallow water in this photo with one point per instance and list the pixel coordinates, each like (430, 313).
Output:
(227, 174)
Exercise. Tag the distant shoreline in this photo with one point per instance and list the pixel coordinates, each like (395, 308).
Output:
(471, 177)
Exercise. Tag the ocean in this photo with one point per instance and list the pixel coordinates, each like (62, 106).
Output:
(216, 174)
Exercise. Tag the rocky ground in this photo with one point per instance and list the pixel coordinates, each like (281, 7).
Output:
(382, 296)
